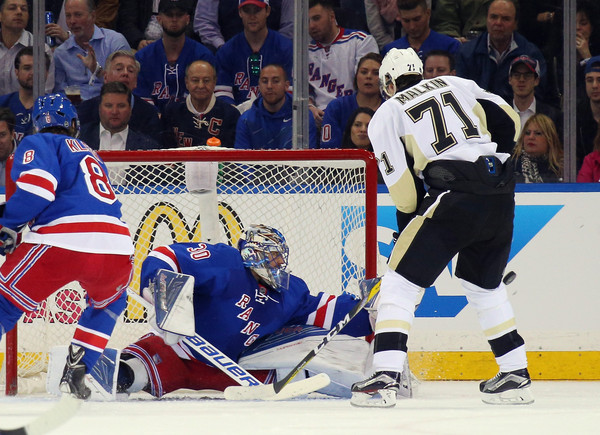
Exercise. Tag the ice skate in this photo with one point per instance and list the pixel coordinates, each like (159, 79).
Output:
(380, 390)
(73, 378)
(510, 388)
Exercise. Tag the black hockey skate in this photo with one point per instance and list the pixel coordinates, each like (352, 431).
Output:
(510, 388)
(73, 378)
(380, 390)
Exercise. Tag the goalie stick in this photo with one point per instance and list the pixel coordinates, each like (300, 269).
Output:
(251, 393)
(241, 375)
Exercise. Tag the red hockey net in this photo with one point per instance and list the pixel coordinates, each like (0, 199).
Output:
(323, 201)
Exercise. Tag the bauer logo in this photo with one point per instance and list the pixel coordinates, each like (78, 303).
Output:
(529, 221)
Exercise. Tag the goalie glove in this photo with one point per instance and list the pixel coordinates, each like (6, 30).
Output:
(365, 287)
(9, 240)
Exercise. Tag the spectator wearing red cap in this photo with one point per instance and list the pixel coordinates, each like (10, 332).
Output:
(524, 77)
(241, 59)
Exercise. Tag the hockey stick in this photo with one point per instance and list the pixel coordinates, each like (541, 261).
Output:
(238, 373)
(250, 393)
(66, 408)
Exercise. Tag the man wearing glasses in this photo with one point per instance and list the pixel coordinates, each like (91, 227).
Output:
(523, 77)
(241, 59)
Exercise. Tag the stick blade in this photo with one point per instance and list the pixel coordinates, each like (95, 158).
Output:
(267, 392)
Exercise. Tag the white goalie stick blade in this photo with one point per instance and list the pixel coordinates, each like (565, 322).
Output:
(59, 414)
(266, 392)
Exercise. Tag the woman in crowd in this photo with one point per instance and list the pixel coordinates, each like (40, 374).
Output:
(590, 169)
(367, 94)
(538, 155)
(356, 134)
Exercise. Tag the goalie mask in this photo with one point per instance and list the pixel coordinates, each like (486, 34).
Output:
(399, 63)
(265, 251)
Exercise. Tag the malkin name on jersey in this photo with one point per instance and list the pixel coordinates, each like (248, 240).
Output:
(420, 89)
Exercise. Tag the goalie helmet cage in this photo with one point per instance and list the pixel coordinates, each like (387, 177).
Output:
(323, 201)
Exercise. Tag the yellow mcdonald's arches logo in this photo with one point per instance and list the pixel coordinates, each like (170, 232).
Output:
(167, 216)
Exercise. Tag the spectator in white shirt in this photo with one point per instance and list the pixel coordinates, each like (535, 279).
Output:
(14, 15)
(113, 132)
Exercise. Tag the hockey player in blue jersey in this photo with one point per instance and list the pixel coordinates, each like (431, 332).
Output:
(75, 234)
(240, 295)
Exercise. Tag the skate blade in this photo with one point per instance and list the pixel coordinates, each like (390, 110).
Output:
(519, 396)
(381, 399)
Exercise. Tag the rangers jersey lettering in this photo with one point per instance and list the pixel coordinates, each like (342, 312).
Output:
(162, 82)
(331, 68)
(226, 292)
(236, 81)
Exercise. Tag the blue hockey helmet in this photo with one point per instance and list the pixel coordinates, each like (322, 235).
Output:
(55, 110)
(265, 251)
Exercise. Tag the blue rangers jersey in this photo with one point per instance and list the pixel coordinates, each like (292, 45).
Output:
(23, 124)
(186, 127)
(259, 129)
(63, 191)
(232, 309)
(331, 68)
(162, 82)
(236, 82)
(435, 41)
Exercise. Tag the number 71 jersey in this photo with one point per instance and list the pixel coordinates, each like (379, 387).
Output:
(444, 118)
(63, 192)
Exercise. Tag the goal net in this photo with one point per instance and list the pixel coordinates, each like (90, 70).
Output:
(323, 201)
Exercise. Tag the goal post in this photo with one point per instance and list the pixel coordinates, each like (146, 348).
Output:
(323, 201)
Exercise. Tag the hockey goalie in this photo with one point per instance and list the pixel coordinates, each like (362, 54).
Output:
(247, 305)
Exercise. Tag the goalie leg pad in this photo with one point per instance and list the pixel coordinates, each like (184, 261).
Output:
(343, 359)
(168, 372)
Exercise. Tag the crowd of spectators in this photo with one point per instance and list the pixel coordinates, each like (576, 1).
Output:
(175, 73)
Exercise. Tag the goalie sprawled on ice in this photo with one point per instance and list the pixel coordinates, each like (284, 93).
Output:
(246, 305)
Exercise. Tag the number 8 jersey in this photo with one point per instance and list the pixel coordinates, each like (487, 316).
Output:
(444, 118)
(64, 194)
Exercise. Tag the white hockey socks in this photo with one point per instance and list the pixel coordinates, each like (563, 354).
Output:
(497, 321)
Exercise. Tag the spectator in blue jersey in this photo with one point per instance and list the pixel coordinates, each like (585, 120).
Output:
(438, 63)
(113, 132)
(240, 60)
(240, 295)
(7, 141)
(65, 199)
(414, 15)
(122, 66)
(217, 21)
(13, 37)
(366, 84)
(201, 116)
(21, 102)
(268, 123)
(81, 58)
(333, 54)
(163, 63)
(486, 59)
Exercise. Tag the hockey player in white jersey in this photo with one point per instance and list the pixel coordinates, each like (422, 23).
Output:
(454, 137)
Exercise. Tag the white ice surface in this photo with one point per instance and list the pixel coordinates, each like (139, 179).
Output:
(438, 408)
